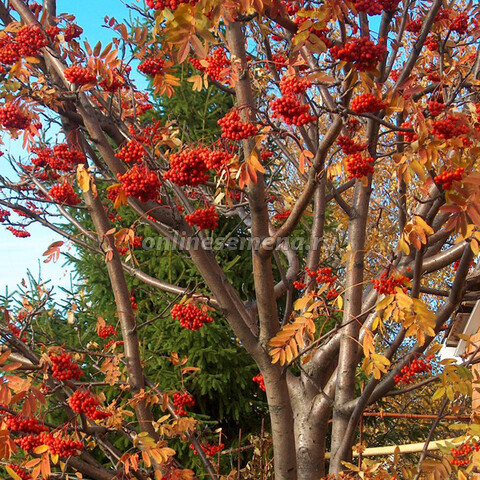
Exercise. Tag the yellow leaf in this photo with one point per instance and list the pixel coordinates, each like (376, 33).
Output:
(254, 162)
(424, 225)
(302, 302)
(339, 302)
(403, 246)
(41, 449)
(83, 178)
(12, 473)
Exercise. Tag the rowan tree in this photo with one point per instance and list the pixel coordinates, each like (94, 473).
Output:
(365, 109)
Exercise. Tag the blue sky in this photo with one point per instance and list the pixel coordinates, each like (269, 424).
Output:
(19, 255)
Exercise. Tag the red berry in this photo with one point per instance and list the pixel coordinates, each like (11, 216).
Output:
(19, 233)
(12, 117)
(362, 52)
(64, 194)
(260, 381)
(234, 129)
(141, 183)
(289, 109)
(187, 168)
(132, 152)
(446, 179)
(349, 146)
(107, 331)
(170, 4)
(152, 66)
(182, 400)
(63, 368)
(387, 285)
(204, 219)
(79, 75)
(190, 316)
(359, 166)
(83, 402)
(30, 40)
(367, 103)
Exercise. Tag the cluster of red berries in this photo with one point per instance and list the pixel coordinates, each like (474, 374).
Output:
(234, 129)
(27, 42)
(322, 275)
(446, 179)
(182, 401)
(70, 156)
(204, 219)
(292, 6)
(260, 381)
(461, 454)
(332, 293)
(431, 42)
(4, 214)
(152, 66)
(349, 146)
(83, 402)
(63, 368)
(217, 63)
(79, 75)
(135, 243)
(30, 40)
(299, 285)
(19, 233)
(414, 26)
(279, 61)
(289, 109)
(187, 168)
(367, 103)
(64, 193)
(209, 450)
(9, 54)
(416, 366)
(133, 302)
(359, 166)
(132, 152)
(388, 285)
(282, 215)
(21, 472)
(113, 342)
(435, 108)
(449, 127)
(370, 7)
(409, 136)
(191, 317)
(443, 14)
(64, 447)
(362, 52)
(216, 159)
(292, 84)
(460, 24)
(141, 183)
(433, 74)
(25, 425)
(107, 331)
(17, 332)
(170, 4)
(60, 158)
(12, 117)
(71, 32)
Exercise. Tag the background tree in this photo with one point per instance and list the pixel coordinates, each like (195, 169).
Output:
(381, 127)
